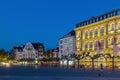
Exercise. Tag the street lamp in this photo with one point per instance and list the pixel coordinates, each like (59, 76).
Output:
(92, 62)
(112, 56)
(78, 59)
(106, 60)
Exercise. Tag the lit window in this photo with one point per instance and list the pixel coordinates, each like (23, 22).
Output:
(102, 43)
(86, 45)
(96, 44)
(65, 41)
(90, 33)
(112, 41)
(79, 35)
(102, 31)
(90, 45)
(96, 32)
(112, 27)
(118, 26)
(86, 34)
(118, 40)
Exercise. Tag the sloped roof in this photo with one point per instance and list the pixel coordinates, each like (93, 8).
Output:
(19, 48)
(71, 33)
(38, 45)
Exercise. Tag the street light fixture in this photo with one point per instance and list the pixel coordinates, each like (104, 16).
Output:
(112, 56)
(92, 57)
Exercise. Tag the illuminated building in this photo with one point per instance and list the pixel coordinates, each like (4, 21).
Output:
(29, 51)
(67, 44)
(101, 28)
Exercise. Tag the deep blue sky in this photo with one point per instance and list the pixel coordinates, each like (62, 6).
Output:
(45, 21)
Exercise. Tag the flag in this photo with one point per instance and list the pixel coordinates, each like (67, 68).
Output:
(115, 45)
(67, 49)
(99, 47)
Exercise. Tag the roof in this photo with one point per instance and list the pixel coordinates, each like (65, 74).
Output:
(98, 18)
(71, 33)
(38, 45)
(19, 48)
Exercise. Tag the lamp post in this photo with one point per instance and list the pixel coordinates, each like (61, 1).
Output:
(106, 60)
(78, 60)
(92, 62)
(112, 56)
(67, 61)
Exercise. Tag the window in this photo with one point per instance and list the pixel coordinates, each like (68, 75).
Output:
(61, 41)
(61, 46)
(86, 45)
(118, 26)
(70, 40)
(112, 27)
(65, 41)
(118, 12)
(112, 41)
(118, 40)
(79, 46)
(79, 34)
(90, 45)
(96, 32)
(102, 31)
(86, 34)
(96, 44)
(102, 43)
(90, 33)
(61, 51)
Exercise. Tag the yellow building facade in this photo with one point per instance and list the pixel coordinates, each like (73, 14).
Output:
(102, 28)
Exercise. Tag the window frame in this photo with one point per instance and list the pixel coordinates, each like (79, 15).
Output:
(91, 33)
(86, 34)
(96, 31)
(102, 31)
(112, 28)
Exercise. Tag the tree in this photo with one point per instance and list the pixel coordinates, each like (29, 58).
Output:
(3, 55)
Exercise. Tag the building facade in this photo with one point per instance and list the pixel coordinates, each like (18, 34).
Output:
(67, 44)
(101, 29)
(29, 51)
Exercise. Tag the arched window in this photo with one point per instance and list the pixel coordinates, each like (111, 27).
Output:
(90, 33)
(102, 43)
(96, 44)
(86, 34)
(86, 45)
(112, 27)
(96, 32)
(90, 45)
(79, 34)
(102, 31)
(118, 40)
(112, 41)
(118, 26)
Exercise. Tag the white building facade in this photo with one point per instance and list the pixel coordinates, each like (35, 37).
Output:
(29, 51)
(67, 44)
